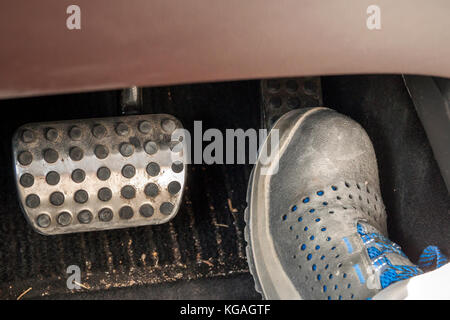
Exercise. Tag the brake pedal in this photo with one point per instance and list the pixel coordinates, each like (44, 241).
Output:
(98, 174)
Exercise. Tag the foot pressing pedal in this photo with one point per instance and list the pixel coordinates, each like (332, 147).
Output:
(98, 174)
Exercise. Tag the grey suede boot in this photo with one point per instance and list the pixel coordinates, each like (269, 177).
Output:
(316, 223)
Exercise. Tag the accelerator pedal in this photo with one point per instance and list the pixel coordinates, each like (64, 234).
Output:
(99, 174)
(282, 95)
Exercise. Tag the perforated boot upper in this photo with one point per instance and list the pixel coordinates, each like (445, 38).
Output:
(326, 187)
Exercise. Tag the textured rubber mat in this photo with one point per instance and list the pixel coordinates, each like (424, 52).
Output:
(204, 240)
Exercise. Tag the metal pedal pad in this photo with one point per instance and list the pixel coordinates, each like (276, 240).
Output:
(98, 174)
(282, 95)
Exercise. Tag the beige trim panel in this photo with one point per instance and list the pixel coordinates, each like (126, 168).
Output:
(159, 42)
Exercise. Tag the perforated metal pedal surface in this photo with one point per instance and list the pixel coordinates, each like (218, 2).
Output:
(98, 174)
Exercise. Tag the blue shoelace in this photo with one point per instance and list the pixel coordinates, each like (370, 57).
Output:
(378, 246)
